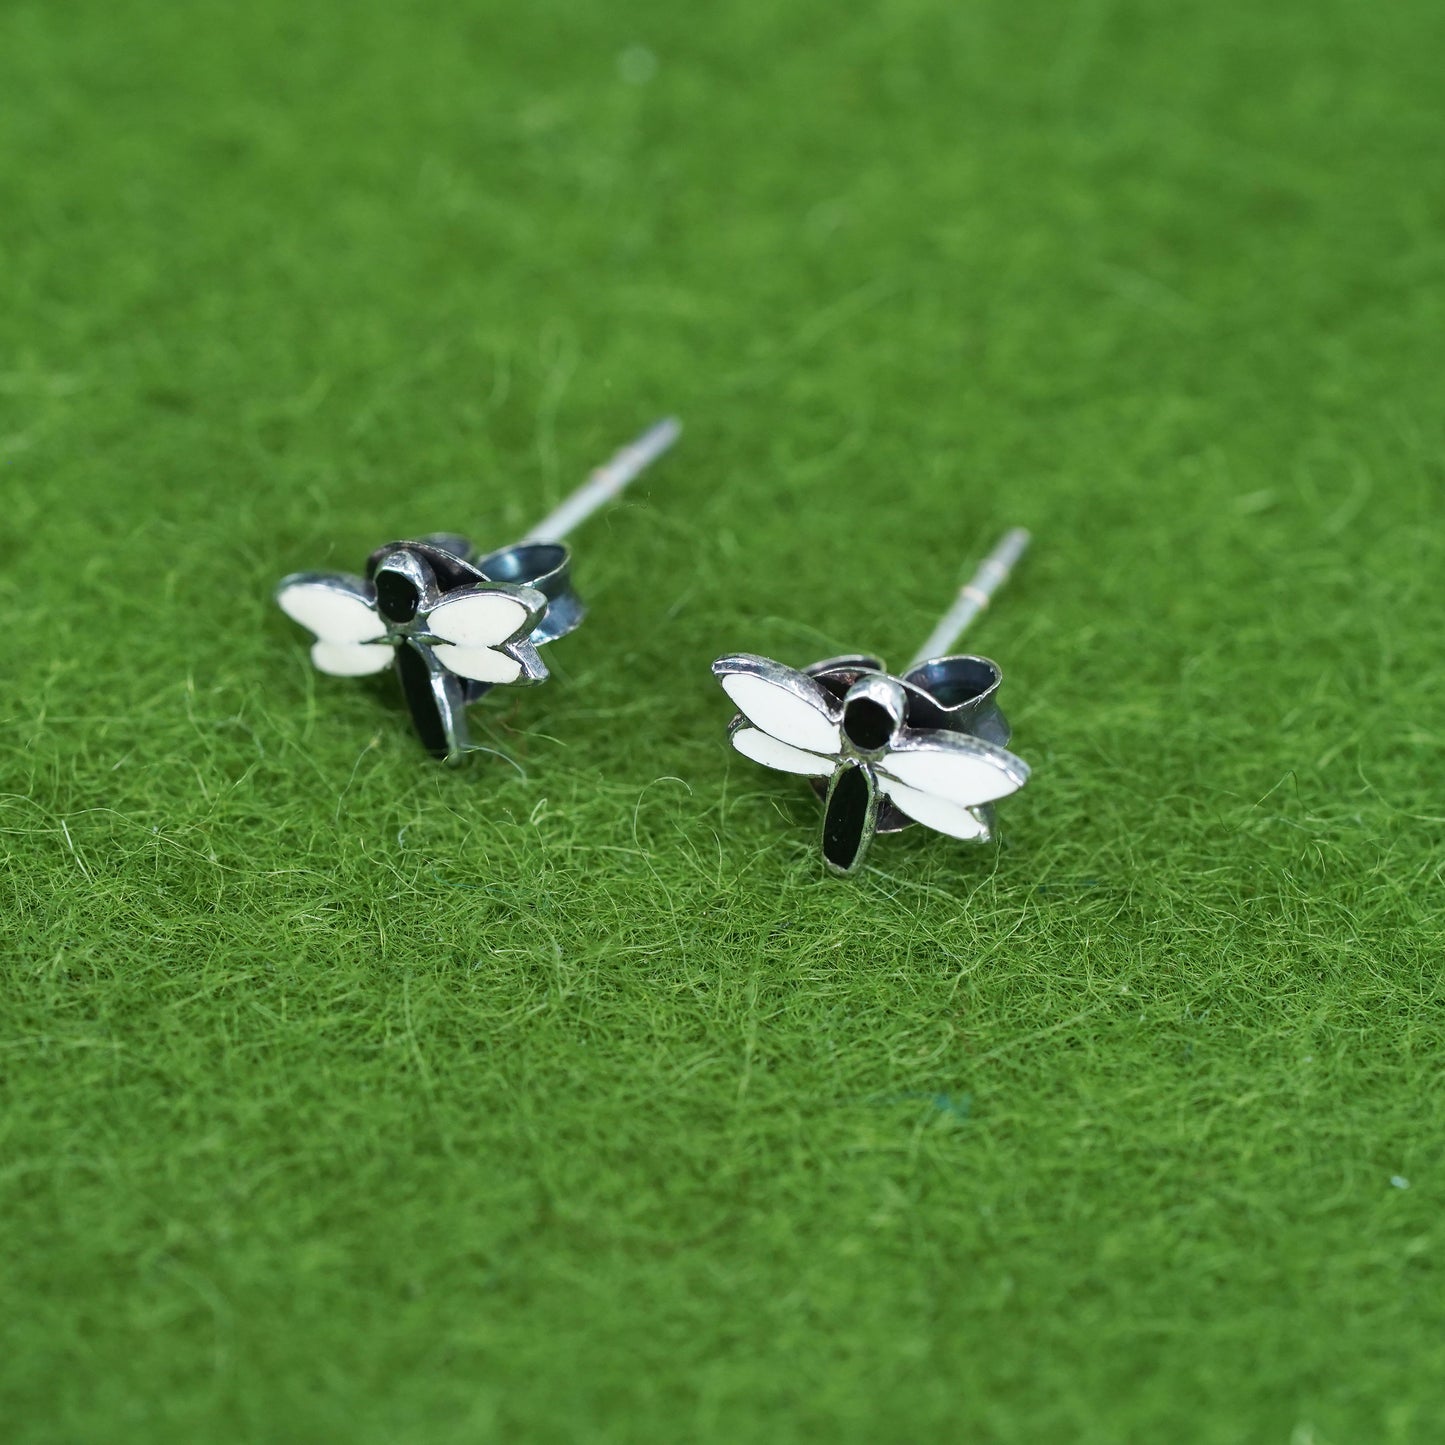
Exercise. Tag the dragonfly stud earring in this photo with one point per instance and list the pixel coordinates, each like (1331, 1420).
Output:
(885, 751)
(455, 624)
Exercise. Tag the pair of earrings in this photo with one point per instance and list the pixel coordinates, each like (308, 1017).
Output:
(882, 751)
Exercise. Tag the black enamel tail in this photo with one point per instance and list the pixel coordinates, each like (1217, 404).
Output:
(850, 817)
(436, 699)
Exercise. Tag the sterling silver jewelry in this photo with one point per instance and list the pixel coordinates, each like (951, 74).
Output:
(455, 624)
(886, 751)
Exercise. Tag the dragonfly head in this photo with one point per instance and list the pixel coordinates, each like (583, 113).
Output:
(873, 711)
(402, 582)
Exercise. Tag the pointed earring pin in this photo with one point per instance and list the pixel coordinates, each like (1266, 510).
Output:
(975, 595)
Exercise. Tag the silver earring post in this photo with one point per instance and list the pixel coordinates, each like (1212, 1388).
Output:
(992, 573)
(610, 480)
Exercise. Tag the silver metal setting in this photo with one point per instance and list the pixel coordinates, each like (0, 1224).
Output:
(881, 751)
(454, 623)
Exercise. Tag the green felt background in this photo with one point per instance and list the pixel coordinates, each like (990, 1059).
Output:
(350, 1098)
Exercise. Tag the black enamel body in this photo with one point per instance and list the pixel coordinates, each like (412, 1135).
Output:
(435, 698)
(849, 815)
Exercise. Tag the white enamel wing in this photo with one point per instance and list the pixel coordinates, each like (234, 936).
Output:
(351, 639)
(468, 629)
(789, 722)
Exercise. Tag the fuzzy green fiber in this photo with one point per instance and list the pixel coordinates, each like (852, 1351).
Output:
(345, 1097)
